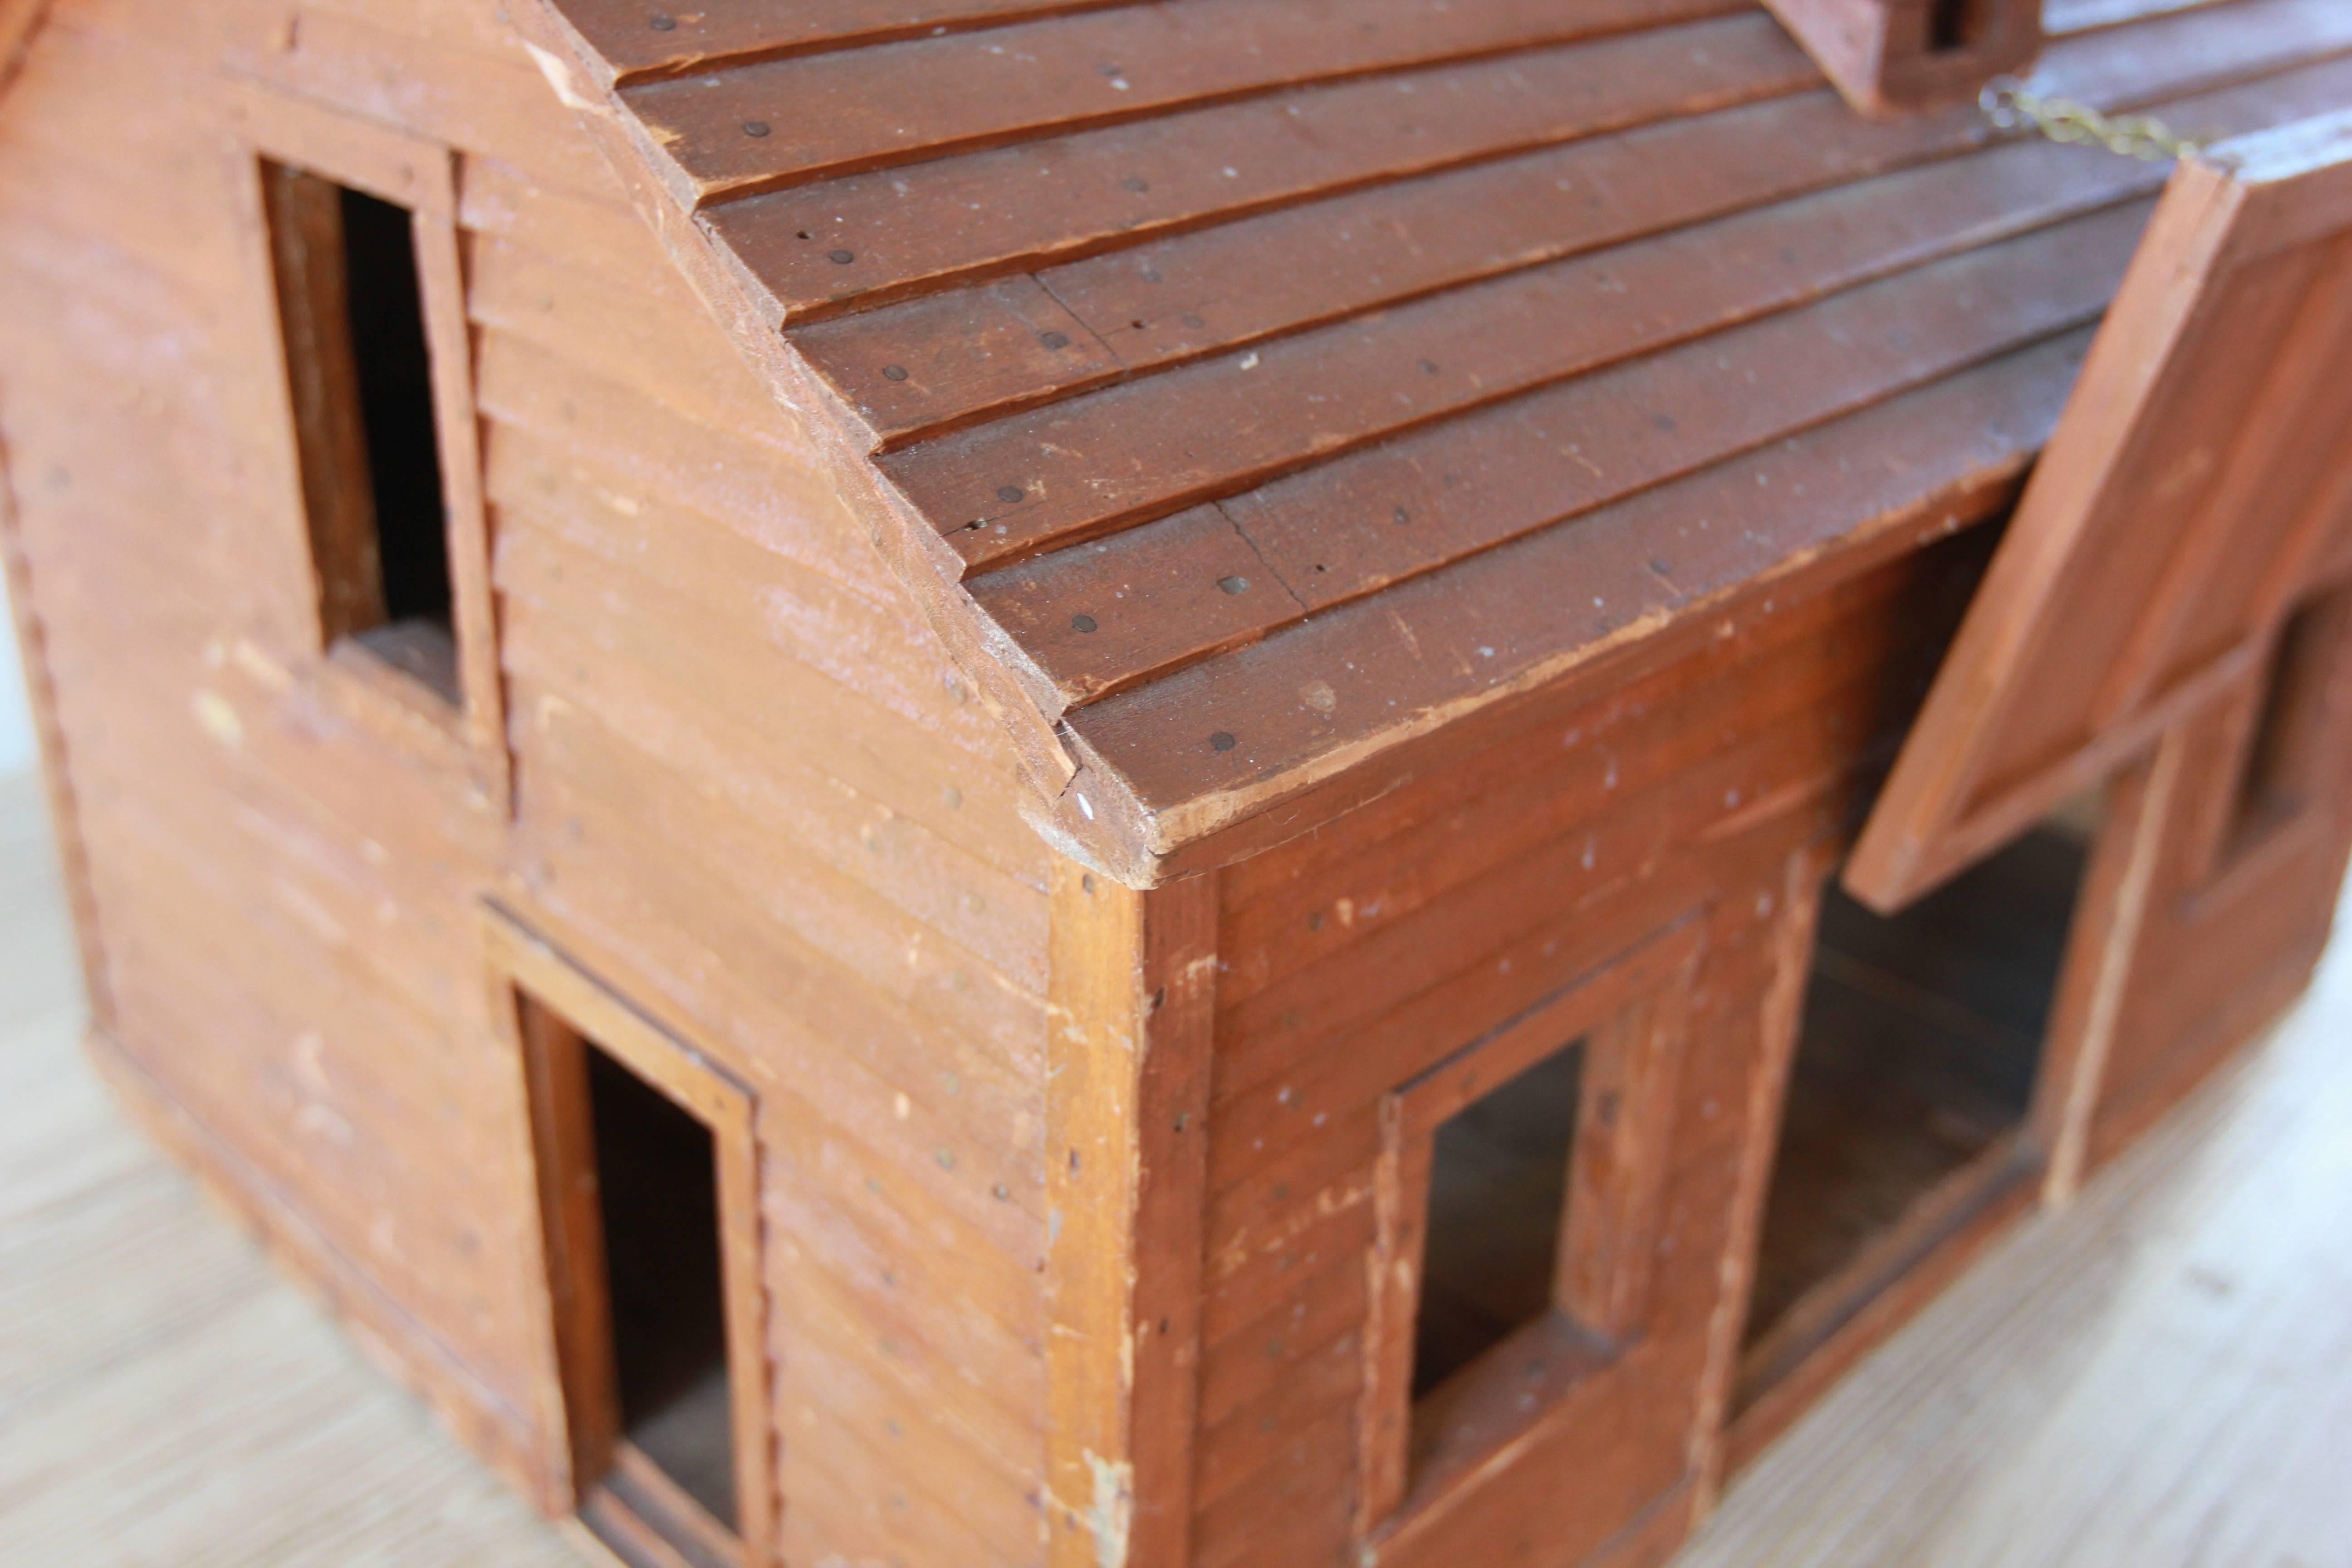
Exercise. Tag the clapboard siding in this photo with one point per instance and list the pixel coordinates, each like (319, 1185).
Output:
(750, 788)
(1362, 953)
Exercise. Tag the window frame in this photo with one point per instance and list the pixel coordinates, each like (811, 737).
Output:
(2296, 693)
(554, 1009)
(1633, 1021)
(420, 176)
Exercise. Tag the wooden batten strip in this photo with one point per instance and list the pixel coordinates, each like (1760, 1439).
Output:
(641, 40)
(839, 113)
(1098, 189)
(1868, 476)
(1474, 482)
(989, 350)
(1133, 993)
(1212, 429)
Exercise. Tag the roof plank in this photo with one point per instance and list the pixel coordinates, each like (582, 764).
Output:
(1108, 613)
(919, 225)
(1204, 342)
(1207, 288)
(847, 109)
(644, 38)
(1192, 293)
(1474, 482)
(1213, 428)
(1330, 686)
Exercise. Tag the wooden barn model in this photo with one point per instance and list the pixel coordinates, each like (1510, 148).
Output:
(963, 784)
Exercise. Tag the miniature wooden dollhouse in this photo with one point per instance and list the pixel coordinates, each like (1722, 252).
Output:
(1010, 781)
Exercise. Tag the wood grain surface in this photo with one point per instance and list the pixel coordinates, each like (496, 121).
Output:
(1149, 335)
(2088, 1395)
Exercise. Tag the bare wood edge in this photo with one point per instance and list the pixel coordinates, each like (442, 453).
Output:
(57, 773)
(524, 963)
(1132, 995)
(397, 1344)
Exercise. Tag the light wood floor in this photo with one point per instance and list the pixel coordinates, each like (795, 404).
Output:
(2159, 1378)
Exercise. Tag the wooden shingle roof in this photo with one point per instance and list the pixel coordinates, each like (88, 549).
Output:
(1250, 386)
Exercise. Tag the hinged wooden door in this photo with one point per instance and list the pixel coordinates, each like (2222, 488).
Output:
(2201, 471)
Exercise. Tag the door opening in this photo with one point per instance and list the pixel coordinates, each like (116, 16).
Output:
(1918, 1060)
(649, 1178)
(657, 1194)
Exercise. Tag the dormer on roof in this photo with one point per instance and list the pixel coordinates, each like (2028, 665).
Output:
(1895, 57)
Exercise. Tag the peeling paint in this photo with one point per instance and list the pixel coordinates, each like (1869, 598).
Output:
(1113, 1511)
(559, 76)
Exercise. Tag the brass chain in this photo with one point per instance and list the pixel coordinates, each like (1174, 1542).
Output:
(2008, 104)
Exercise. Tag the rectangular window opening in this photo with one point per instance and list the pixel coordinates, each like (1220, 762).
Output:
(352, 311)
(658, 1200)
(1498, 1203)
(2287, 754)
(1918, 1060)
(1522, 1185)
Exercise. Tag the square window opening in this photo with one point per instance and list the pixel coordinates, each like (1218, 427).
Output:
(359, 365)
(1918, 1060)
(658, 1198)
(1498, 1205)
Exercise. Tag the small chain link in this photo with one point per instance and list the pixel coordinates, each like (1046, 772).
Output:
(2008, 104)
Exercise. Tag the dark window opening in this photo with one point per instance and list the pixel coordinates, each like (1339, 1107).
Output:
(1953, 23)
(2285, 758)
(658, 1198)
(352, 309)
(1918, 1057)
(1499, 1200)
